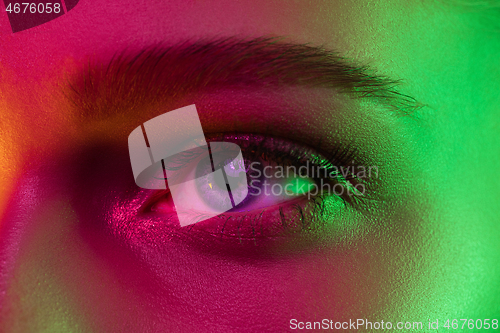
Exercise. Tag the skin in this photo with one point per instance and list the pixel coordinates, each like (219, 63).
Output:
(428, 251)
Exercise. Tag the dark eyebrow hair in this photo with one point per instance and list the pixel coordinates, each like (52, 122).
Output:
(150, 76)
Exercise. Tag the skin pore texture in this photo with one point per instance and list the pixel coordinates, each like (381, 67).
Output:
(425, 246)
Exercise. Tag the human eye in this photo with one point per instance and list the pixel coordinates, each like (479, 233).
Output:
(279, 187)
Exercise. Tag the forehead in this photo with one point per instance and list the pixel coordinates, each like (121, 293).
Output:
(403, 41)
(399, 39)
(101, 27)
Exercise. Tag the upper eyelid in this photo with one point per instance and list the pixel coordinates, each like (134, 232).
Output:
(277, 155)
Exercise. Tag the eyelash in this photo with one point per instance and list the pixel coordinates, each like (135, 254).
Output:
(284, 153)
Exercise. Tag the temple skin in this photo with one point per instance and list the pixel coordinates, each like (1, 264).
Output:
(429, 250)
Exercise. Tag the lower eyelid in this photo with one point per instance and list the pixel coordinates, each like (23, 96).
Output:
(276, 221)
(294, 217)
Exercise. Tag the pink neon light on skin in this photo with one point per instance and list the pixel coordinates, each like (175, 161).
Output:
(175, 281)
(64, 271)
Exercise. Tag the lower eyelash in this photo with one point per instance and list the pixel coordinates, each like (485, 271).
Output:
(291, 219)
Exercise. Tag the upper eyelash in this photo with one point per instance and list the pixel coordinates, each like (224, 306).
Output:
(339, 156)
(301, 154)
(298, 155)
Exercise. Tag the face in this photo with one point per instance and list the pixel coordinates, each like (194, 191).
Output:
(84, 248)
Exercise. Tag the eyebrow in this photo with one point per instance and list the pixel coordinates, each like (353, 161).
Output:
(133, 79)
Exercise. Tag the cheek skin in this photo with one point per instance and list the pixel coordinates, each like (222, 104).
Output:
(264, 293)
(33, 117)
(346, 274)
(448, 60)
(343, 279)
